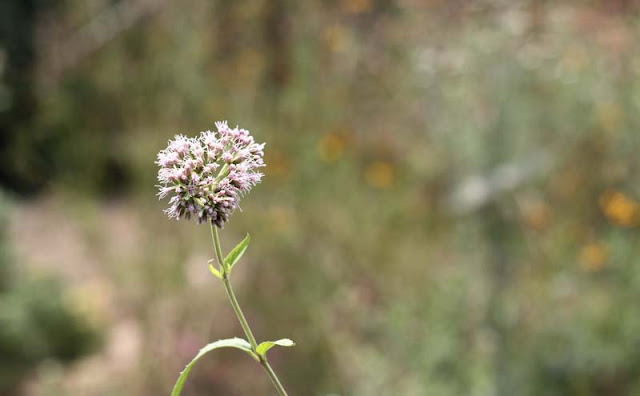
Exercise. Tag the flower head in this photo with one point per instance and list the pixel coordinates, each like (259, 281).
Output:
(206, 176)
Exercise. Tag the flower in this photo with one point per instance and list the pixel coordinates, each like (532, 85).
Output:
(620, 209)
(206, 176)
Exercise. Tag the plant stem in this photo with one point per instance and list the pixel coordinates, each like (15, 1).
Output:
(243, 321)
(273, 376)
(239, 314)
(216, 245)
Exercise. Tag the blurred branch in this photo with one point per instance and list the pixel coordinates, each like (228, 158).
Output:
(480, 190)
(64, 54)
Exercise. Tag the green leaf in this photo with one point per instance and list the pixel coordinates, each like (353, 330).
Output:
(236, 253)
(228, 343)
(266, 345)
(213, 269)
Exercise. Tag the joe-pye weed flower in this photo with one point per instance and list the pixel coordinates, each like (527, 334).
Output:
(205, 177)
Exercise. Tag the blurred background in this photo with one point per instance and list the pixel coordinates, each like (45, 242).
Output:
(451, 202)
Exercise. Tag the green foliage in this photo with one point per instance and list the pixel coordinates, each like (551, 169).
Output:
(36, 324)
(264, 346)
(237, 343)
(213, 269)
(236, 253)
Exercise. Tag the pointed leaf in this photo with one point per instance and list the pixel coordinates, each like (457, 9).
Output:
(213, 269)
(236, 253)
(266, 345)
(238, 343)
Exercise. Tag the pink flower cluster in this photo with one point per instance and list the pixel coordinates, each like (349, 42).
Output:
(206, 176)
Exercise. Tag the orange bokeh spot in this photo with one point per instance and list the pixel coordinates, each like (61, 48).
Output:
(593, 257)
(620, 209)
(380, 174)
(330, 147)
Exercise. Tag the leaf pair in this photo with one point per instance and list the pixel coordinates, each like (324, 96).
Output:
(235, 342)
(231, 259)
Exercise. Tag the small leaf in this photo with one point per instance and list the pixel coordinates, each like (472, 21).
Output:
(266, 345)
(236, 253)
(228, 343)
(214, 270)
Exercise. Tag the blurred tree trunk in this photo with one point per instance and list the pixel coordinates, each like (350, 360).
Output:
(17, 91)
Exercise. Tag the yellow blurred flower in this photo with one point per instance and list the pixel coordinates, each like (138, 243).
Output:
(330, 147)
(593, 256)
(620, 209)
(380, 174)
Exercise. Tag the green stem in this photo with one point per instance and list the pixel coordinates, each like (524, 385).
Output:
(243, 321)
(273, 376)
(239, 314)
(216, 245)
